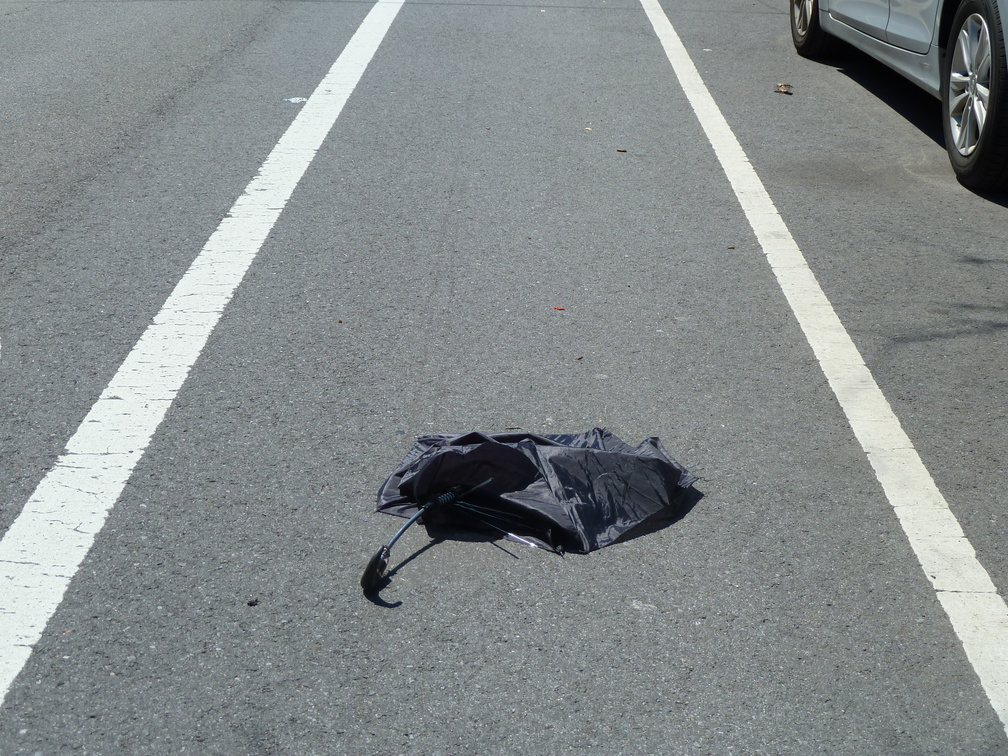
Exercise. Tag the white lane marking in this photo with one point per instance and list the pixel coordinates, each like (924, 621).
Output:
(978, 614)
(45, 546)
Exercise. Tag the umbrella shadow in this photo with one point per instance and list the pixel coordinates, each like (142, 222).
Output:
(438, 534)
(686, 500)
(374, 596)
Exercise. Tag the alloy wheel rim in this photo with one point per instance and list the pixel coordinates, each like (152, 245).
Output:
(802, 10)
(969, 84)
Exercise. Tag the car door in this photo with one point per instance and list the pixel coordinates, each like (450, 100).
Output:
(911, 24)
(868, 16)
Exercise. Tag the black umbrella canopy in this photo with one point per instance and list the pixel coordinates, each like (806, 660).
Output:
(571, 492)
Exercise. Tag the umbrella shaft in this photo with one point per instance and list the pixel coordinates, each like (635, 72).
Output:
(410, 521)
(446, 498)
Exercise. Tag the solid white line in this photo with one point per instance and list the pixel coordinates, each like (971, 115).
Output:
(45, 546)
(978, 614)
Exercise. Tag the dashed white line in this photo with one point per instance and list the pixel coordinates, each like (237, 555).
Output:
(44, 548)
(978, 613)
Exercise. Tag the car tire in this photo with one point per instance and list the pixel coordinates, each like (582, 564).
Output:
(809, 39)
(974, 97)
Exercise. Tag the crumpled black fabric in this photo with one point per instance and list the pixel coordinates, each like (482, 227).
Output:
(570, 492)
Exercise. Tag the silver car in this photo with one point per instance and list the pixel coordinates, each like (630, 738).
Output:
(954, 49)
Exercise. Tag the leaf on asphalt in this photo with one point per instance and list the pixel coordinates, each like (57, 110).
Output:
(784, 89)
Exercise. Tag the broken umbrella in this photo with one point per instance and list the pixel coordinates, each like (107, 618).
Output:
(571, 492)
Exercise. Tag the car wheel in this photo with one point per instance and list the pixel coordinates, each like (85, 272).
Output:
(974, 98)
(809, 39)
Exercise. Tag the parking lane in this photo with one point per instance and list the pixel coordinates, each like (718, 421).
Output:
(977, 612)
(911, 261)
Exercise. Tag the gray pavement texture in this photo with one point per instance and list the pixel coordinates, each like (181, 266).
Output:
(472, 185)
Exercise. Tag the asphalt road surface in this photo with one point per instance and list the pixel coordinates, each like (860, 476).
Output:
(516, 221)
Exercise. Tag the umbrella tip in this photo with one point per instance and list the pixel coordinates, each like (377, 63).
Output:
(375, 570)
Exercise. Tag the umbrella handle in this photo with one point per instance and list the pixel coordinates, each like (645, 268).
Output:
(375, 570)
(419, 513)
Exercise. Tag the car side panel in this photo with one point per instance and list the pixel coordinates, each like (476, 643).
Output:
(912, 24)
(922, 69)
(868, 16)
